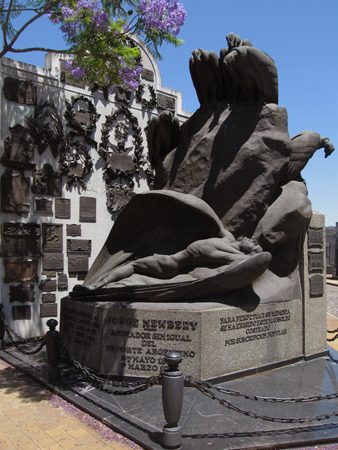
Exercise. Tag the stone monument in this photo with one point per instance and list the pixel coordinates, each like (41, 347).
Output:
(218, 261)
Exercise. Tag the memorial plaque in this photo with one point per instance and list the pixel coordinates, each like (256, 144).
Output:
(44, 206)
(316, 262)
(20, 91)
(62, 282)
(315, 237)
(53, 261)
(19, 149)
(52, 240)
(20, 270)
(78, 263)
(79, 246)
(166, 102)
(147, 75)
(88, 209)
(15, 193)
(48, 285)
(47, 182)
(48, 298)
(62, 208)
(21, 293)
(73, 230)
(21, 312)
(316, 286)
(49, 310)
(19, 239)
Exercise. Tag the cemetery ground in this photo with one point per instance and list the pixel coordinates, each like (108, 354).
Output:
(33, 418)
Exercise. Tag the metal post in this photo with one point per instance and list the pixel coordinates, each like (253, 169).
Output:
(172, 399)
(2, 330)
(53, 350)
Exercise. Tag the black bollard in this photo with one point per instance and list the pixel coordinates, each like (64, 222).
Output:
(2, 330)
(53, 350)
(172, 399)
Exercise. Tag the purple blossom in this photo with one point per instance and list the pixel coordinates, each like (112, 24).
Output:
(76, 71)
(165, 15)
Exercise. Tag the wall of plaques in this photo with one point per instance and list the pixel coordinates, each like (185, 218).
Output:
(71, 159)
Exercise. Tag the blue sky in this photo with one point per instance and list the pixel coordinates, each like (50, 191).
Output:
(301, 36)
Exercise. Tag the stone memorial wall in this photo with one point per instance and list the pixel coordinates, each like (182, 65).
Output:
(71, 159)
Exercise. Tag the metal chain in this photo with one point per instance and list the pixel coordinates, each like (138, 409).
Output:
(332, 339)
(99, 383)
(332, 331)
(11, 332)
(314, 398)
(229, 405)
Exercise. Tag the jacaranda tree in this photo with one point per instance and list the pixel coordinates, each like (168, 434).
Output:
(99, 35)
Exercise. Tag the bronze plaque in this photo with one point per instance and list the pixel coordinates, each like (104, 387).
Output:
(48, 285)
(48, 298)
(78, 263)
(20, 269)
(19, 239)
(21, 293)
(20, 91)
(15, 193)
(53, 261)
(62, 208)
(44, 206)
(19, 149)
(47, 182)
(49, 310)
(315, 237)
(88, 209)
(166, 102)
(79, 246)
(316, 286)
(62, 282)
(52, 241)
(21, 312)
(73, 230)
(316, 262)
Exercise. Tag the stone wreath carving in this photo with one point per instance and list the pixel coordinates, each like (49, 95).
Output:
(83, 121)
(150, 104)
(119, 162)
(75, 162)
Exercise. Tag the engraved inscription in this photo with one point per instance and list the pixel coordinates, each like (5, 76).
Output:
(78, 263)
(245, 328)
(53, 261)
(80, 327)
(88, 209)
(21, 312)
(48, 298)
(43, 206)
(316, 263)
(79, 246)
(316, 286)
(52, 238)
(73, 230)
(49, 310)
(315, 237)
(62, 208)
(20, 239)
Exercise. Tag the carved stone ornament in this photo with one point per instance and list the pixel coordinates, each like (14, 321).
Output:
(87, 209)
(19, 239)
(45, 127)
(52, 240)
(20, 91)
(75, 162)
(316, 286)
(49, 310)
(52, 261)
(62, 282)
(22, 312)
(62, 208)
(47, 182)
(73, 230)
(82, 116)
(123, 96)
(105, 90)
(315, 237)
(21, 293)
(149, 104)
(118, 196)
(147, 74)
(316, 262)
(79, 246)
(19, 150)
(14, 193)
(20, 270)
(48, 285)
(43, 206)
(166, 102)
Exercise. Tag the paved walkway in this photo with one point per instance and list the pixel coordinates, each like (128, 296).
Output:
(32, 418)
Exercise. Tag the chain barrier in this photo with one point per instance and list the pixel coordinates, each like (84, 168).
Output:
(10, 332)
(204, 388)
(332, 332)
(224, 390)
(101, 383)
